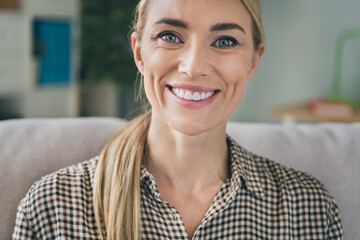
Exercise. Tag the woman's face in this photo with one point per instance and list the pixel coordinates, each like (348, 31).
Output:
(196, 58)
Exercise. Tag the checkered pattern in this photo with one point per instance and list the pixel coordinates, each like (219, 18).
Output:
(261, 200)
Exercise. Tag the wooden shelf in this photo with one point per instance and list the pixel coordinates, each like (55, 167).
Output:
(9, 4)
(302, 113)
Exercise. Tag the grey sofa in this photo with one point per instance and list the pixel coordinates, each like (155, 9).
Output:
(31, 148)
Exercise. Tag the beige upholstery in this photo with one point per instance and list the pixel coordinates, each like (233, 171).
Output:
(31, 148)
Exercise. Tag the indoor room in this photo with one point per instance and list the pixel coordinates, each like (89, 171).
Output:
(158, 93)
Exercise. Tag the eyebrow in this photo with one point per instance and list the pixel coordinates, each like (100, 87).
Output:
(226, 26)
(172, 22)
(214, 28)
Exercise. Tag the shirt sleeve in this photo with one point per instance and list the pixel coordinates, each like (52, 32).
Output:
(335, 231)
(22, 228)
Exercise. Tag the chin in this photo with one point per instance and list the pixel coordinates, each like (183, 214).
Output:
(191, 128)
(189, 131)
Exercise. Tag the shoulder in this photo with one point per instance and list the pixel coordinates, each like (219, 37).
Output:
(275, 179)
(62, 198)
(305, 197)
(294, 182)
(79, 176)
(290, 198)
(261, 168)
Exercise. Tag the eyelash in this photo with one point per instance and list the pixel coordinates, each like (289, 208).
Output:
(163, 34)
(214, 44)
(233, 40)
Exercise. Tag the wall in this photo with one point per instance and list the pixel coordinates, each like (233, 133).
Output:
(299, 56)
(20, 94)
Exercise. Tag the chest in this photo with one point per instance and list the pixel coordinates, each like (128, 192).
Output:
(245, 217)
(191, 210)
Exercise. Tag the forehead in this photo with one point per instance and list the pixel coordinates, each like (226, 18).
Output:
(199, 13)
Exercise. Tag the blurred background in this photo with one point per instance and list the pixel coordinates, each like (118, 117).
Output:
(72, 58)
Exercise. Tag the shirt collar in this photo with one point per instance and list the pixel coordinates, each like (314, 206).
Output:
(147, 179)
(244, 168)
(244, 172)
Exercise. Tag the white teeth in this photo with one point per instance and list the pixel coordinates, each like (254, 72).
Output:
(196, 96)
(188, 96)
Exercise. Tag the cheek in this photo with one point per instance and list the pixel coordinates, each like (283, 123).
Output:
(157, 66)
(158, 61)
(235, 76)
(234, 72)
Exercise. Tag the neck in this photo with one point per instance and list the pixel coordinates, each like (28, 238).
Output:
(187, 163)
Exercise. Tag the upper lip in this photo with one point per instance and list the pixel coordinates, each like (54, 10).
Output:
(192, 88)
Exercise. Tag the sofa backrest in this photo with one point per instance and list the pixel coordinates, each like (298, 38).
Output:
(31, 148)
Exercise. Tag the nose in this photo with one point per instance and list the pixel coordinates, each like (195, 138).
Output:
(194, 61)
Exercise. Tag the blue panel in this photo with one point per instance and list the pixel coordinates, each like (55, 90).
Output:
(55, 51)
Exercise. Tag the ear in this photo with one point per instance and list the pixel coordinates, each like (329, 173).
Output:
(136, 48)
(256, 59)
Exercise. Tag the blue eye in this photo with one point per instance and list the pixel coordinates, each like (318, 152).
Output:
(225, 42)
(170, 37)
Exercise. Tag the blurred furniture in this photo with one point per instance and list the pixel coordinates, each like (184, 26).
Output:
(290, 114)
(36, 40)
(342, 38)
(302, 113)
(101, 99)
(31, 148)
(9, 4)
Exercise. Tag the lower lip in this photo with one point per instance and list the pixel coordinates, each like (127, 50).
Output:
(193, 104)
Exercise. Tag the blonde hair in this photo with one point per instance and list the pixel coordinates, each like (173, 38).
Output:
(116, 193)
(254, 9)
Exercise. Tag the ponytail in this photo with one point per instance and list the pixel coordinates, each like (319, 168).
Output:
(116, 194)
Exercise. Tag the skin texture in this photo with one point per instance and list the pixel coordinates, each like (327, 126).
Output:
(187, 140)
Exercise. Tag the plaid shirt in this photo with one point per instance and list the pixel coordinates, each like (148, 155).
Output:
(261, 200)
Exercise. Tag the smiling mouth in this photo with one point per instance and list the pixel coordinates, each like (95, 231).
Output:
(192, 95)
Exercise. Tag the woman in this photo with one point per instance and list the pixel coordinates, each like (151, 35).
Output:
(173, 173)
